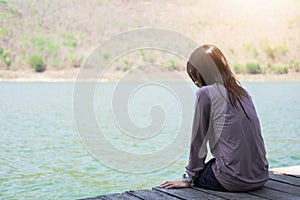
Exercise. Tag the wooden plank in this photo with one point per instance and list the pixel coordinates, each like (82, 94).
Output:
(293, 175)
(273, 194)
(284, 178)
(93, 198)
(283, 187)
(188, 193)
(279, 186)
(152, 194)
(118, 196)
(232, 195)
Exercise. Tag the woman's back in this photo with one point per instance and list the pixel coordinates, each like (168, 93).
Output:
(237, 144)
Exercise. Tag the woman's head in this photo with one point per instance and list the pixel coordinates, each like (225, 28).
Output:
(195, 75)
(207, 65)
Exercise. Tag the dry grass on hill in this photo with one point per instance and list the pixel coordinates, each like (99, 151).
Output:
(63, 33)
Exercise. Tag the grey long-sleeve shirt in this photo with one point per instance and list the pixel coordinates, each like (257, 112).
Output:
(234, 138)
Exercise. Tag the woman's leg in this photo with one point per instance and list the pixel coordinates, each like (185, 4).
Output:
(207, 178)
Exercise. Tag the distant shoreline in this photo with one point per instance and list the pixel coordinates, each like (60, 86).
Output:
(70, 75)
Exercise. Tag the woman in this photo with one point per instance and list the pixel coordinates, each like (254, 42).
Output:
(225, 116)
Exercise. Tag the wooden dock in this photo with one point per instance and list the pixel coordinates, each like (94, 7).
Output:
(284, 184)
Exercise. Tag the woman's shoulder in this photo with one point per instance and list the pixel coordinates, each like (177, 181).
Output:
(204, 90)
(210, 90)
(205, 94)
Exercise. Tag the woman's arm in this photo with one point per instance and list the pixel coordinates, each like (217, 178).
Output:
(198, 148)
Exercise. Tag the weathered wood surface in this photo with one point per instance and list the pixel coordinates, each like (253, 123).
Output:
(280, 186)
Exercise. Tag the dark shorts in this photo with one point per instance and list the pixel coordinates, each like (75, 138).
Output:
(207, 179)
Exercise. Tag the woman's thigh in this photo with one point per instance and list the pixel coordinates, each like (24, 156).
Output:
(207, 178)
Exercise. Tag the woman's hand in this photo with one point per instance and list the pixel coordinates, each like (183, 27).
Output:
(175, 184)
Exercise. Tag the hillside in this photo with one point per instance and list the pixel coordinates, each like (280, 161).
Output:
(257, 36)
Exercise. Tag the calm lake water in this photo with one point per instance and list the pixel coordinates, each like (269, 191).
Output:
(42, 156)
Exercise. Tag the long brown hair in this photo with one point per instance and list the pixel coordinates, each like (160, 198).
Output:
(229, 80)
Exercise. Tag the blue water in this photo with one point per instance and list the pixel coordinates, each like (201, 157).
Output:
(42, 156)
